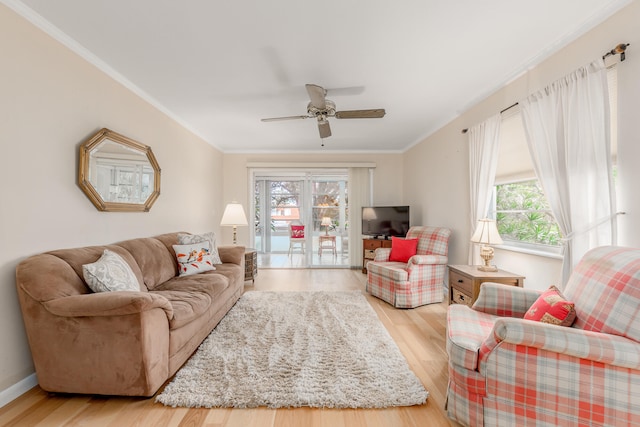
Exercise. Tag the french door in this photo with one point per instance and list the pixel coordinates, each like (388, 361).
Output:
(316, 199)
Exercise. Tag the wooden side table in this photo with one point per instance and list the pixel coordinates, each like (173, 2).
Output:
(250, 264)
(465, 282)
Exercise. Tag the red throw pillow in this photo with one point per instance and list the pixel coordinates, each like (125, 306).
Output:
(552, 307)
(402, 249)
(297, 231)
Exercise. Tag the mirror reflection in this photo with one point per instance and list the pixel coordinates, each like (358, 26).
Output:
(118, 173)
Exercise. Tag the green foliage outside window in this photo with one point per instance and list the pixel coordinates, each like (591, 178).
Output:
(523, 214)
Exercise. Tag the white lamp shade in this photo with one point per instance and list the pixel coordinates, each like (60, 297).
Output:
(326, 221)
(487, 233)
(368, 214)
(234, 215)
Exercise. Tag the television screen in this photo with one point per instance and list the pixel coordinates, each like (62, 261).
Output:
(385, 221)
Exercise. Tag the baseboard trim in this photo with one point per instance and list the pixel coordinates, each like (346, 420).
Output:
(18, 389)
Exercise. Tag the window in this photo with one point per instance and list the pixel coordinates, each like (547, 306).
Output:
(521, 210)
(523, 214)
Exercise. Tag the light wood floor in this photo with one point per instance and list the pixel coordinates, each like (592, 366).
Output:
(419, 334)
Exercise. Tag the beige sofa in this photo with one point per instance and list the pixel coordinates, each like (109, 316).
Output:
(121, 343)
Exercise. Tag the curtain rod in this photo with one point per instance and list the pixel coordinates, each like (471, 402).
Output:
(619, 49)
(501, 111)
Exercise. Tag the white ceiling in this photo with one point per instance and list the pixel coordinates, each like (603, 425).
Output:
(220, 66)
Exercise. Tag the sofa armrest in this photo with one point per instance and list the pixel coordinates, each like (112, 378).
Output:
(382, 254)
(427, 259)
(505, 300)
(231, 254)
(595, 346)
(108, 304)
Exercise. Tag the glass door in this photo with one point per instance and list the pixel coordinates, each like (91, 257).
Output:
(277, 206)
(316, 200)
(329, 213)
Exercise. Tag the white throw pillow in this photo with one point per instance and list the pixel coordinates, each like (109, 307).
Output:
(110, 273)
(188, 239)
(193, 259)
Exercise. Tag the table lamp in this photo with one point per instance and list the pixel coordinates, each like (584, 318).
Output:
(487, 234)
(368, 214)
(326, 221)
(234, 216)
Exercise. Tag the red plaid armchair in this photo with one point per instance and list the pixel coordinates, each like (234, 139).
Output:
(507, 371)
(417, 282)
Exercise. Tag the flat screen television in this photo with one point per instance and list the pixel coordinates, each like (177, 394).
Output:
(385, 221)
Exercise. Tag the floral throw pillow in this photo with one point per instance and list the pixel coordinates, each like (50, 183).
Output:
(110, 273)
(193, 259)
(188, 239)
(552, 307)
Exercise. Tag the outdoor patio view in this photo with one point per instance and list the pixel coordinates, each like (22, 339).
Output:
(317, 207)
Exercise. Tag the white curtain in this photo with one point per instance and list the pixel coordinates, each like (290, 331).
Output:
(359, 196)
(567, 129)
(484, 140)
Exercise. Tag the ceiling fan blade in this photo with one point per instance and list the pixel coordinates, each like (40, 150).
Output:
(345, 91)
(361, 114)
(277, 119)
(317, 94)
(324, 129)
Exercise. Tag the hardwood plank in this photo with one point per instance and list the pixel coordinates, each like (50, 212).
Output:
(419, 333)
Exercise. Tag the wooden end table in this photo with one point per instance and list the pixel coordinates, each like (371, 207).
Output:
(250, 264)
(465, 282)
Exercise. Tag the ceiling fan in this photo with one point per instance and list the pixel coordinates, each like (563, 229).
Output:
(321, 108)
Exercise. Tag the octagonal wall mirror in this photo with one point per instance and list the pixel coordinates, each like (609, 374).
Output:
(117, 173)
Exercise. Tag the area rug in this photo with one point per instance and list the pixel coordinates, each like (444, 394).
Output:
(294, 349)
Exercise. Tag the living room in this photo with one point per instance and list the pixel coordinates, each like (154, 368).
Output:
(53, 99)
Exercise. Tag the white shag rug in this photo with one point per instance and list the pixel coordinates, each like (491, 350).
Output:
(294, 349)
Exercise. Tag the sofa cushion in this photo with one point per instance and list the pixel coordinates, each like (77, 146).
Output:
(156, 262)
(396, 271)
(110, 273)
(467, 329)
(187, 305)
(191, 296)
(232, 272)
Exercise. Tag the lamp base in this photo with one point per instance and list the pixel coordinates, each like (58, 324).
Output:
(486, 253)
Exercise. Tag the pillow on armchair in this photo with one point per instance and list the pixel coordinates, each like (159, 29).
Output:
(402, 249)
(552, 307)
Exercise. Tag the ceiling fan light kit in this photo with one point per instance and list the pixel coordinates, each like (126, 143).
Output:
(322, 108)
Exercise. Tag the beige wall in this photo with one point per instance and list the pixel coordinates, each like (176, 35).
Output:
(387, 178)
(436, 172)
(51, 101)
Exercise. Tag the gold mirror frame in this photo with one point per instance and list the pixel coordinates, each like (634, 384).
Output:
(88, 154)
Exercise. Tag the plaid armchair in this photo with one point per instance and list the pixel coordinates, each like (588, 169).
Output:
(507, 371)
(417, 282)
